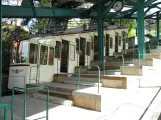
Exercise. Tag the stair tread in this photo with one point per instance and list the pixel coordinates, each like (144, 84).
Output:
(58, 92)
(54, 99)
(62, 86)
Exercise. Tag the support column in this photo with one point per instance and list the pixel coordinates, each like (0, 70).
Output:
(100, 34)
(158, 27)
(0, 52)
(140, 25)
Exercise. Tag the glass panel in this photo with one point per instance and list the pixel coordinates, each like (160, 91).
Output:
(72, 52)
(77, 44)
(64, 49)
(57, 49)
(92, 46)
(25, 51)
(33, 53)
(111, 42)
(119, 40)
(51, 56)
(88, 48)
(43, 55)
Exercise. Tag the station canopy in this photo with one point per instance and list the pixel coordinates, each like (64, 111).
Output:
(27, 9)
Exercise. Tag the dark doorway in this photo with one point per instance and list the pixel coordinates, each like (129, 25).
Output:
(82, 51)
(107, 44)
(95, 47)
(64, 56)
(116, 41)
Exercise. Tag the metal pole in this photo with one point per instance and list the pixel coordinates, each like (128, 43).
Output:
(100, 34)
(140, 24)
(158, 27)
(0, 54)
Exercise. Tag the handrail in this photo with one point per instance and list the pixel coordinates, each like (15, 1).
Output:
(25, 90)
(37, 74)
(5, 106)
(123, 63)
(79, 82)
(148, 45)
(133, 49)
(154, 41)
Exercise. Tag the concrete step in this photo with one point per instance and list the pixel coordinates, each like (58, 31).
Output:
(87, 83)
(52, 99)
(107, 72)
(65, 95)
(138, 70)
(84, 81)
(153, 56)
(59, 77)
(86, 75)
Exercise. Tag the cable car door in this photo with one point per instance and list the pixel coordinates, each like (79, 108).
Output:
(72, 61)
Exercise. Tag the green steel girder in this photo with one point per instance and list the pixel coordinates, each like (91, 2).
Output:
(109, 7)
(37, 12)
(130, 2)
(148, 2)
(158, 7)
(27, 12)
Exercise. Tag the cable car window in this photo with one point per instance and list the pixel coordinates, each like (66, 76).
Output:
(57, 49)
(111, 42)
(77, 44)
(43, 55)
(92, 44)
(33, 53)
(51, 56)
(119, 40)
(64, 49)
(88, 48)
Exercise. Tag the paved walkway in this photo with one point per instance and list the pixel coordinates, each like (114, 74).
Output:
(123, 105)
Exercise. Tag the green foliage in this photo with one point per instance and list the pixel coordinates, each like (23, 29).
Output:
(40, 23)
(12, 33)
(130, 23)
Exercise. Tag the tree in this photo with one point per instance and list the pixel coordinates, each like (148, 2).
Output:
(11, 34)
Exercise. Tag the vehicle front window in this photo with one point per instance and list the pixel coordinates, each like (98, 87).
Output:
(33, 53)
(24, 56)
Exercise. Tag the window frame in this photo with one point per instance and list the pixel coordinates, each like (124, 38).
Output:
(36, 61)
(111, 42)
(47, 54)
(88, 53)
(57, 55)
(72, 59)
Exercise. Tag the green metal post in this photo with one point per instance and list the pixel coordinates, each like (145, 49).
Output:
(0, 53)
(100, 34)
(13, 106)
(24, 109)
(158, 27)
(140, 24)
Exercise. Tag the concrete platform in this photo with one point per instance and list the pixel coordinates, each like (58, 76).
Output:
(120, 105)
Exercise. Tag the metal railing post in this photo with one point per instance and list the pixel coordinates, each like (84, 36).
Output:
(133, 53)
(24, 109)
(37, 74)
(5, 107)
(79, 81)
(123, 64)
